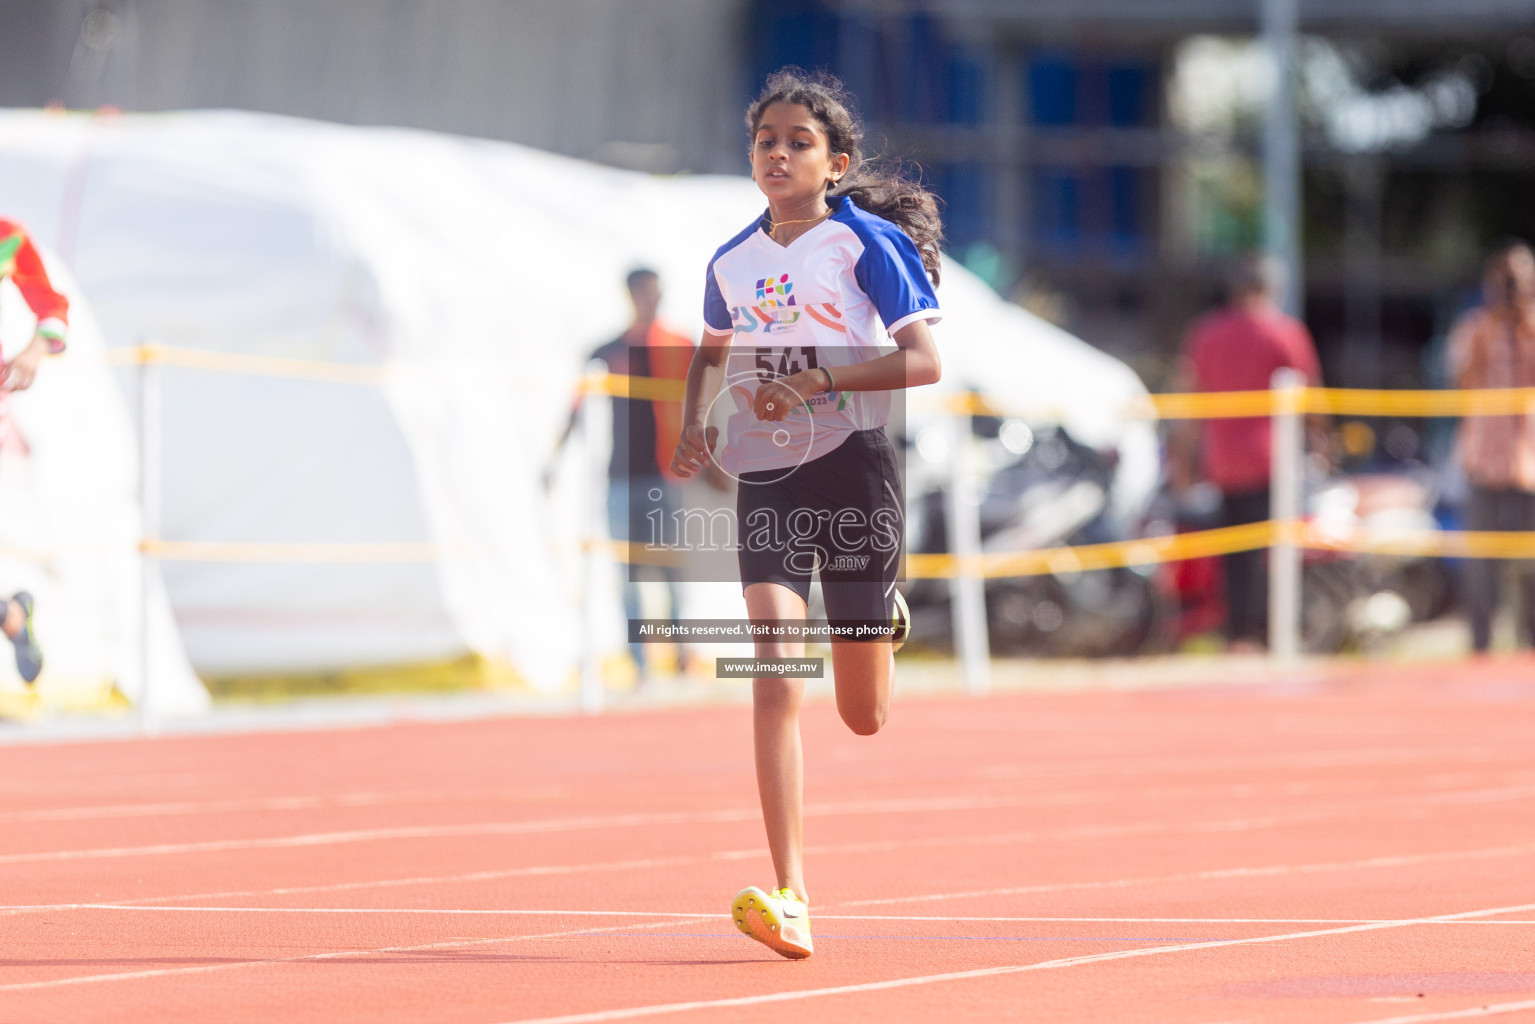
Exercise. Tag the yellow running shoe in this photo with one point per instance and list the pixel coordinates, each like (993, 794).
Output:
(781, 922)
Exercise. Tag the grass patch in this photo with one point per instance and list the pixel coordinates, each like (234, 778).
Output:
(467, 673)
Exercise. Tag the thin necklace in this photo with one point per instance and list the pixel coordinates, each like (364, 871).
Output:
(774, 226)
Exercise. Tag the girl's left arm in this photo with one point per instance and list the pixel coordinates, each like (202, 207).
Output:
(913, 364)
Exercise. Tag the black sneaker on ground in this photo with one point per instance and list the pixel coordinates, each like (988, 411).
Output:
(29, 656)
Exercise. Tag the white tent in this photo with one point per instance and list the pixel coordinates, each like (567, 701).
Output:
(480, 275)
(70, 530)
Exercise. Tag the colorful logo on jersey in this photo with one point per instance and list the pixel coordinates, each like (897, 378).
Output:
(749, 319)
(768, 287)
(776, 302)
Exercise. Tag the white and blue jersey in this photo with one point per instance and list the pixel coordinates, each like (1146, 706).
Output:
(832, 297)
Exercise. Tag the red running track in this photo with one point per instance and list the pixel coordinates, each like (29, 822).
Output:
(1359, 850)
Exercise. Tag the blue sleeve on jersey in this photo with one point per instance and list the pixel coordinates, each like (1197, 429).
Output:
(891, 274)
(716, 313)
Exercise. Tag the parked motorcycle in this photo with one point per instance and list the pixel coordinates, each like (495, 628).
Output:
(1352, 601)
(1046, 491)
(1349, 601)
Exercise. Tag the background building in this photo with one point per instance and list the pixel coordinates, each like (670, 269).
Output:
(1100, 159)
(588, 78)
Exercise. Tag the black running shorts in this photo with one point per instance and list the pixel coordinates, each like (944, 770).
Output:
(842, 515)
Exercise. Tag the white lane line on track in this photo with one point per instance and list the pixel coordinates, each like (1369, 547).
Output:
(1120, 766)
(465, 877)
(376, 834)
(747, 1000)
(381, 798)
(537, 826)
(1149, 920)
(910, 806)
(1396, 861)
(91, 979)
(693, 915)
(629, 1013)
(1116, 765)
(378, 798)
(652, 863)
(1316, 815)
(1474, 1011)
(445, 912)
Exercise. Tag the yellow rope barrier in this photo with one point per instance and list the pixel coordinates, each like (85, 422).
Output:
(1208, 405)
(992, 565)
(653, 389)
(1216, 405)
(631, 553)
(260, 366)
(1481, 402)
(1422, 543)
(26, 555)
(1185, 405)
(1117, 554)
(1148, 551)
(237, 551)
(1225, 541)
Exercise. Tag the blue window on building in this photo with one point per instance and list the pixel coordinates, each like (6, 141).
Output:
(1131, 95)
(967, 90)
(942, 84)
(1052, 90)
(907, 70)
(1090, 211)
(922, 85)
(1126, 232)
(966, 205)
(1057, 195)
(1069, 90)
(799, 32)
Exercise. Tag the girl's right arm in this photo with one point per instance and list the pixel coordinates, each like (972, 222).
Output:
(695, 448)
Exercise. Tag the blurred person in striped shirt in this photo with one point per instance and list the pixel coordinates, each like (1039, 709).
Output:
(1493, 346)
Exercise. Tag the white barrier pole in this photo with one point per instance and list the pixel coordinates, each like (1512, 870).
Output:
(1281, 152)
(967, 593)
(593, 493)
(1285, 510)
(149, 516)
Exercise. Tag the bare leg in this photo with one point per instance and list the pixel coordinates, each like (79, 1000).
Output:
(864, 671)
(775, 727)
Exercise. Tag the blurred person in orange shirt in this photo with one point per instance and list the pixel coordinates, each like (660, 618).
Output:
(20, 262)
(1493, 346)
(642, 490)
(1237, 348)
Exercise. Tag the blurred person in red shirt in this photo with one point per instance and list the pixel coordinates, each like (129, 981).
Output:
(1493, 346)
(1238, 348)
(20, 262)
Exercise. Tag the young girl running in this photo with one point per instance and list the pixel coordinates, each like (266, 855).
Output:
(801, 310)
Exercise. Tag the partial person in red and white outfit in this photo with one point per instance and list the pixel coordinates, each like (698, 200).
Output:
(20, 262)
(1493, 346)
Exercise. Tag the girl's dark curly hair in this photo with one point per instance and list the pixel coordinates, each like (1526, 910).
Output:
(881, 190)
